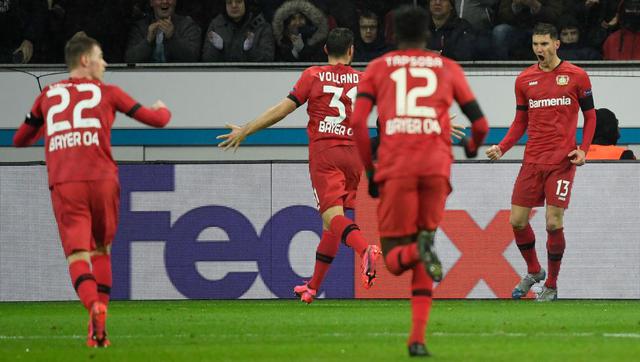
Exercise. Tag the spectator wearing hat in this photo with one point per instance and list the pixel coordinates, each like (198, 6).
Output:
(300, 30)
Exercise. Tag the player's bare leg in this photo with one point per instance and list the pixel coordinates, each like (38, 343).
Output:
(555, 250)
(525, 240)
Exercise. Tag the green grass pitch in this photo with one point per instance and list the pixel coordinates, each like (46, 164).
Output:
(327, 330)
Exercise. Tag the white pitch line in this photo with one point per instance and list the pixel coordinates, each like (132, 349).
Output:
(338, 334)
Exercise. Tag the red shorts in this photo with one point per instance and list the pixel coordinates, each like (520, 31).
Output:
(86, 212)
(335, 175)
(409, 204)
(537, 183)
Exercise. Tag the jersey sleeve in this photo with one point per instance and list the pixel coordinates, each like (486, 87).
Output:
(462, 92)
(521, 98)
(585, 96)
(125, 104)
(35, 117)
(301, 90)
(122, 101)
(366, 85)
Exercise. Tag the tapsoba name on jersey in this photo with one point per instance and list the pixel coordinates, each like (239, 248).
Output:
(421, 61)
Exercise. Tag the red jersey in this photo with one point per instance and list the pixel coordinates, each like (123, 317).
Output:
(77, 115)
(413, 90)
(551, 101)
(330, 91)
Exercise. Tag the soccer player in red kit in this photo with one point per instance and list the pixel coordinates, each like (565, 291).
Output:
(413, 89)
(334, 165)
(76, 115)
(548, 96)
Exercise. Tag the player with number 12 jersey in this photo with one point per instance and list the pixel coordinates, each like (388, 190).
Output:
(334, 165)
(413, 89)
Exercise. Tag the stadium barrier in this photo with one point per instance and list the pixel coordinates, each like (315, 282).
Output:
(249, 230)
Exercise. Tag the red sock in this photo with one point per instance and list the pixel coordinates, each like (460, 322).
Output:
(526, 242)
(101, 266)
(326, 251)
(555, 250)
(84, 282)
(421, 286)
(349, 233)
(402, 258)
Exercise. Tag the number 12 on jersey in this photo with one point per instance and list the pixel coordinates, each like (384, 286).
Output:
(407, 99)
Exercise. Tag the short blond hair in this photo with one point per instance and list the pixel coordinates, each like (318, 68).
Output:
(79, 45)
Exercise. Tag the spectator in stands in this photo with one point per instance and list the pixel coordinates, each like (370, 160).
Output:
(606, 137)
(300, 30)
(164, 36)
(238, 36)
(104, 20)
(452, 36)
(516, 18)
(21, 29)
(479, 13)
(596, 19)
(572, 46)
(624, 44)
(370, 44)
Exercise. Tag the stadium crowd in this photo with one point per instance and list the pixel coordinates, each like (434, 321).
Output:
(158, 31)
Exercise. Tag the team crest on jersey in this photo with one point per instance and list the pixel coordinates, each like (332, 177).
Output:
(562, 80)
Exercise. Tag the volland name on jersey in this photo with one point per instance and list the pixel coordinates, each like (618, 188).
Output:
(353, 78)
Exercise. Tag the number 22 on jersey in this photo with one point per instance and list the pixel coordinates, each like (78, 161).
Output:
(76, 138)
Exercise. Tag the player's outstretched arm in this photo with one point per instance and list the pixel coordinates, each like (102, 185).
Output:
(158, 115)
(268, 118)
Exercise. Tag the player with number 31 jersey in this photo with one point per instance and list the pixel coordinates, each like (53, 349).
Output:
(334, 165)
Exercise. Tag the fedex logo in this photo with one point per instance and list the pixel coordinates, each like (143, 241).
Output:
(268, 247)
(235, 231)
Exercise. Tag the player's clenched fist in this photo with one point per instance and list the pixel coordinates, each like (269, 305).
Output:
(494, 152)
